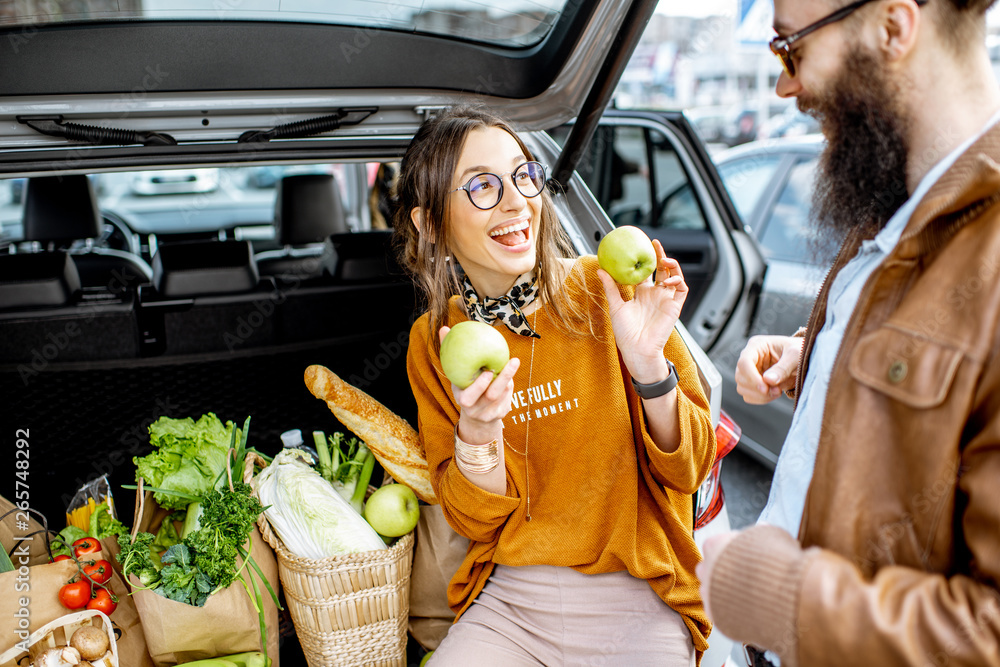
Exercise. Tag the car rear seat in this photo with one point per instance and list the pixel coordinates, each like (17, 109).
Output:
(58, 306)
(308, 209)
(201, 292)
(60, 210)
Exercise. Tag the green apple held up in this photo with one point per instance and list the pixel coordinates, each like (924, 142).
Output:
(392, 510)
(627, 255)
(469, 349)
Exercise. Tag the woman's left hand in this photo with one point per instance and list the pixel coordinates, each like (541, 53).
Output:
(643, 324)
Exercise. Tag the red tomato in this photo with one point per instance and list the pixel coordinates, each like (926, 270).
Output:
(86, 545)
(60, 557)
(103, 601)
(75, 595)
(99, 572)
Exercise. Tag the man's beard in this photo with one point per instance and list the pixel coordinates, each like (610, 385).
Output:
(861, 179)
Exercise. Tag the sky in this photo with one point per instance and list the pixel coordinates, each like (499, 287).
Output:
(703, 8)
(699, 8)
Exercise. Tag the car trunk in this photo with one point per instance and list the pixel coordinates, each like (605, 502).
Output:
(88, 373)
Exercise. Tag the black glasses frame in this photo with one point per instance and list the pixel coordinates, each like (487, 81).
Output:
(468, 185)
(782, 46)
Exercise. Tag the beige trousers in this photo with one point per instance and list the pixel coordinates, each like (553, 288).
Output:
(556, 616)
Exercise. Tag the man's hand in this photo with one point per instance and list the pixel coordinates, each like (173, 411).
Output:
(714, 547)
(768, 366)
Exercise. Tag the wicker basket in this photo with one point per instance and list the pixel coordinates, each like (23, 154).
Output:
(348, 610)
(58, 633)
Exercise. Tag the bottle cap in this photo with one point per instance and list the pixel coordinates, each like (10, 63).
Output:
(292, 439)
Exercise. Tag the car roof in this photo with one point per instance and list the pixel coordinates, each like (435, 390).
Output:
(810, 144)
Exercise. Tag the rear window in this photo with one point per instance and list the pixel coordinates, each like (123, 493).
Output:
(206, 203)
(512, 23)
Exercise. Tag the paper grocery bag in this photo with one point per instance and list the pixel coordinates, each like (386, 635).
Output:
(29, 600)
(438, 553)
(20, 530)
(228, 623)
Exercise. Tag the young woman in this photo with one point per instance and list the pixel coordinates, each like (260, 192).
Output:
(574, 492)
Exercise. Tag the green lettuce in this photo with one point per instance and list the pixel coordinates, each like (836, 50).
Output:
(188, 458)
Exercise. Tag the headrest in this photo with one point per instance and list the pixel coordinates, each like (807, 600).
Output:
(196, 268)
(37, 279)
(60, 208)
(308, 209)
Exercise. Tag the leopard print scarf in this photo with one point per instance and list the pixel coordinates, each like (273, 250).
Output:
(506, 308)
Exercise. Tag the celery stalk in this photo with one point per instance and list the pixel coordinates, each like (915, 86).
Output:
(326, 467)
(358, 499)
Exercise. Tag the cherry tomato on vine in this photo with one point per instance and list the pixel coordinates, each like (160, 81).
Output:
(99, 572)
(103, 601)
(86, 545)
(60, 557)
(75, 595)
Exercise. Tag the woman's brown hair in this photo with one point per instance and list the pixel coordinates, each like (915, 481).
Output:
(424, 182)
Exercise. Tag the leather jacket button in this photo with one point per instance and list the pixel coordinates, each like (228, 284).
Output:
(897, 372)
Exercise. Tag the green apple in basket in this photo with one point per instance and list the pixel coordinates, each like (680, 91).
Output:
(392, 510)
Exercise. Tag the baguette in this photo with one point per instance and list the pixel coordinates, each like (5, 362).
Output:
(393, 441)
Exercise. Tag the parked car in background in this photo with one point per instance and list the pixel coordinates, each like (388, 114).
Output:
(118, 309)
(771, 183)
(789, 123)
(175, 181)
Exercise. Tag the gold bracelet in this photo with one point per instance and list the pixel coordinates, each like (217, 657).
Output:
(477, 459)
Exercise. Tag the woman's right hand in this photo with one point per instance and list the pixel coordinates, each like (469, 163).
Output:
(767, 366)
(484, 403)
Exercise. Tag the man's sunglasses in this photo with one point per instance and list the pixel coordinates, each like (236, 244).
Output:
(486, 190)
(782, 46)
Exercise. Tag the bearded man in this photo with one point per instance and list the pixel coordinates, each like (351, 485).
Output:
(880, 543)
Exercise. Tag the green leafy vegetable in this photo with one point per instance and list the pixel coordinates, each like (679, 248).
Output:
(6, 565)
(189, 457)
(136, 559)
(167, 536)
(104, 524)
(227, 518)
(181, 580)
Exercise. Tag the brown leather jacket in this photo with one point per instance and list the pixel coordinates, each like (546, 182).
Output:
(900, 539)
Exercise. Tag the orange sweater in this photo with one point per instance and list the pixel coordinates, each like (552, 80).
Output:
(604, 498)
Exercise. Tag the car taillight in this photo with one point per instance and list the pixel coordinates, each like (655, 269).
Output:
(710, 497)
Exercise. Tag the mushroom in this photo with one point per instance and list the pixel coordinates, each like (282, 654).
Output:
(91, 642)
(65, 656)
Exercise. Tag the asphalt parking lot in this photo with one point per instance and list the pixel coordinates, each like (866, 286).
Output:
(746, 483)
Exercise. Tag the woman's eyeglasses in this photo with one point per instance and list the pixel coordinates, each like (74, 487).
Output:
(782, 46)
(486, 190)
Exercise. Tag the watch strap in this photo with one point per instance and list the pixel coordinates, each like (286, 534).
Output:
(660, 388)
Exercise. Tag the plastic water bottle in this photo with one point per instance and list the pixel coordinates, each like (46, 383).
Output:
(293, 440)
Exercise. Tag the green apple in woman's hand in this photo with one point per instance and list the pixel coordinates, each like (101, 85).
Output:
(469, 349)
(627, 255)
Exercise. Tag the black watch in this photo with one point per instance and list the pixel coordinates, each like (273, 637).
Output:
(660, 388)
